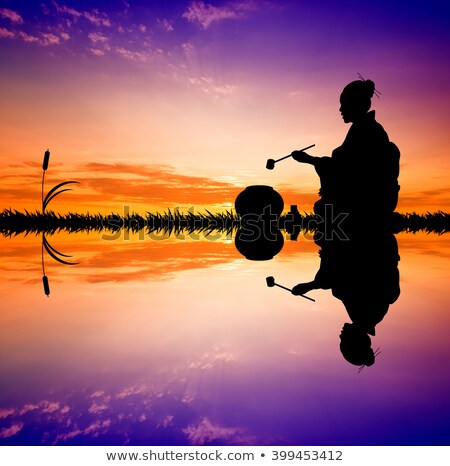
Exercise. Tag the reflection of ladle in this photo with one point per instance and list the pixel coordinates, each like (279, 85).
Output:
(271, 283)
(270, 164)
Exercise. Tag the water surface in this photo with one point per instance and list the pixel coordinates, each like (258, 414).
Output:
(180, 342)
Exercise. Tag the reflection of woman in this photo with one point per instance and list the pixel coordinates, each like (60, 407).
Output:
(363, 274)
(361, 174)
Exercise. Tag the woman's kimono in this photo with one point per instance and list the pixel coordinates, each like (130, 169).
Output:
(361, 175)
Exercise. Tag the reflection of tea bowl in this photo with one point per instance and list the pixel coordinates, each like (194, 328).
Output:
(257, 245)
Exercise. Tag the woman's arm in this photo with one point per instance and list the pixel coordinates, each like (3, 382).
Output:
(303, 288)
(303, 157)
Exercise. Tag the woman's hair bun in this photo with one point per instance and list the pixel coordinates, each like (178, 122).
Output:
(369, 358)
(361, 89)
(369, 87)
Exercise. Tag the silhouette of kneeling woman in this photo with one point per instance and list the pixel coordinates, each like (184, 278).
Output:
(361, 175)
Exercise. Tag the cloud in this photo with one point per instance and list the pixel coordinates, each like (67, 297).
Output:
(45, 9)
(165, 422)
(6, 34)
(95, 429)
(49, 39)
(11, 15)
(295, 94)
(132, 55)
(210, 360)
(44, 39)
(61, 427)
(98, 427)
(95, 37)
(91, 23)
(209, 86)
(94, 16)
(204, 432)
(205, 14)
(166, 24)
(150, 260)
(160, 410)
(97, 408)
(28, 407)
(97, 52)
(27, 37)
(156, 184)
(188, 48)
(49, 407)
(117, 184)
(99, 40)
(10, 431)
(4, 413)
(419, 201)
(122, 184)
(131, 391)
(65, 9)
(43, 406)
(97, 18)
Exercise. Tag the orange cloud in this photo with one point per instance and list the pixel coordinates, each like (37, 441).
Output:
(151, 261)
(106, 187)
(426, 200)
(114, 260)
(115, 185)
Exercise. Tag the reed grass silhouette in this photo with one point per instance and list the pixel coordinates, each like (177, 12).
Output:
(14, 222)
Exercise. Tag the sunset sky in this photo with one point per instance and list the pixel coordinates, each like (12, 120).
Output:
(161, 104)
(158, 104)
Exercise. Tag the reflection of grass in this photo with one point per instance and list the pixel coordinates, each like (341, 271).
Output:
(13, 222)
(437, 222)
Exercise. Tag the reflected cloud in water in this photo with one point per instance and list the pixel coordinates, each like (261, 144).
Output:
(215, 358)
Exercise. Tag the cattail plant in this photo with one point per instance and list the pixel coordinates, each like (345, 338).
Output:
(46, 285)
(52, 252)
(46, 160)
(44, 169)
(44, 277)
(54, 191)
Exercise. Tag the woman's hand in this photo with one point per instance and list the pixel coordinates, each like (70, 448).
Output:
(302, 157)
(302, 288)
